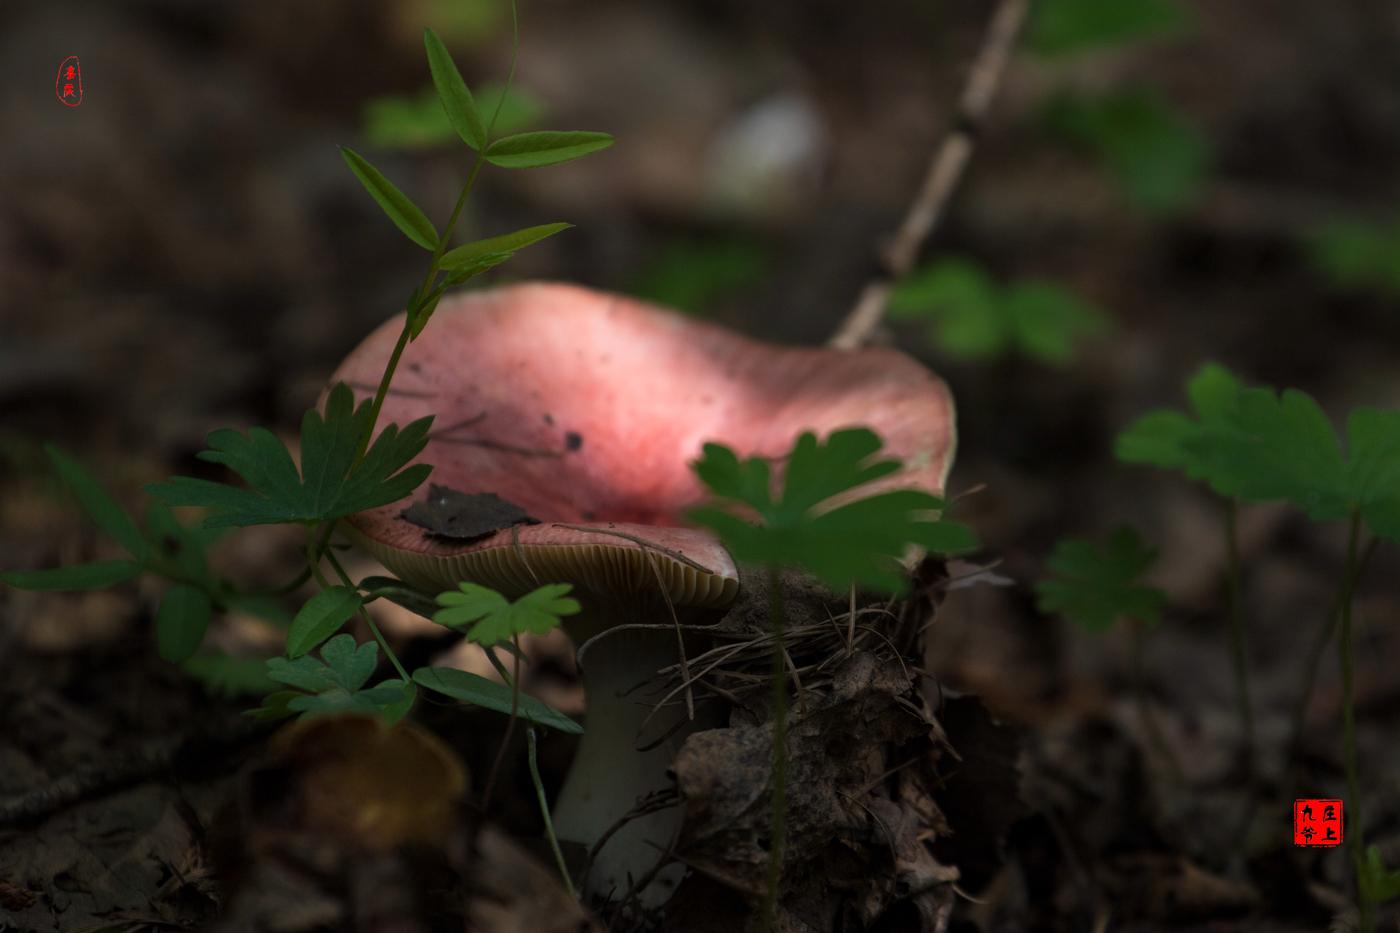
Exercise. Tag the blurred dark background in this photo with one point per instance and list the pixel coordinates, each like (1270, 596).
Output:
(1211, 181)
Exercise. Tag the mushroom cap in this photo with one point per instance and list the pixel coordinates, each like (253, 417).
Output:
(587, 409)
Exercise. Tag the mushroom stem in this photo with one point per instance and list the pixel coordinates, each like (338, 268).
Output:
(610, 776)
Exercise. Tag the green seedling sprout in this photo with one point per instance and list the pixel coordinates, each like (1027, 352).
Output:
(1273, 446)
(1258, 445)
(1169, 439)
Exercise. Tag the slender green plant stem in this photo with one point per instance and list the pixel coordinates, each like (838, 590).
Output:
(500, 668)
(1316, 651)
(777, 837)
(536, 780)
(1150, 726)
(369, 620)
(510, 730)
(313, 563)
(1355, 845)
(1238, 646)
(510, 75)
(287, 587)
(415, 304)
(544, 811)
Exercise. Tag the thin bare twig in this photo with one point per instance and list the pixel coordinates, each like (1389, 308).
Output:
(945, 170)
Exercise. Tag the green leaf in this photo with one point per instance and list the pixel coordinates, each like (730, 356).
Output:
(409, 121)
(227, 676)
(1273, 446)
(1047, 321)
(181, 621)
(693, 274)
(514, 107)
(817, 522)
(335, 683)
(99, 506)
(1373, 470)
(479, 691)
(320, 618)
(1158, 158)
(1173, 440)
(1157, 438)
(350, 665)
(544, 147)
(1093, 586)
(816, 472)
(390, 698)
(423, 313)
(507, 243)
(305, 673)
(1260, 445)
(1377, 883)
(95, 576)
(456, 98)
(327, 487)
(963, 303)
(1357, 255)
(406, 215)
(417, 121)
(1064, 27)
(973, 317)
(497, 618)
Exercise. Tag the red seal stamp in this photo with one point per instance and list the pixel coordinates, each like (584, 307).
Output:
(1317, 822)
(68, 86)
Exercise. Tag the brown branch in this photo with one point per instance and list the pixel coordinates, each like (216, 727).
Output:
(945, 170)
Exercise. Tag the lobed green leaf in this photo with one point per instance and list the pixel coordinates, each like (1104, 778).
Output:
(974, 317)
(817, 522)
(497, 619)
(1095, 585)
(328, 486)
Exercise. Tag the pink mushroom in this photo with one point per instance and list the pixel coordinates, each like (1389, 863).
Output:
(587, 409)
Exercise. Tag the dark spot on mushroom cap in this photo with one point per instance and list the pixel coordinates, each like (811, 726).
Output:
(548, 419)
(415, 367)
(573, 440)
(588, 515)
